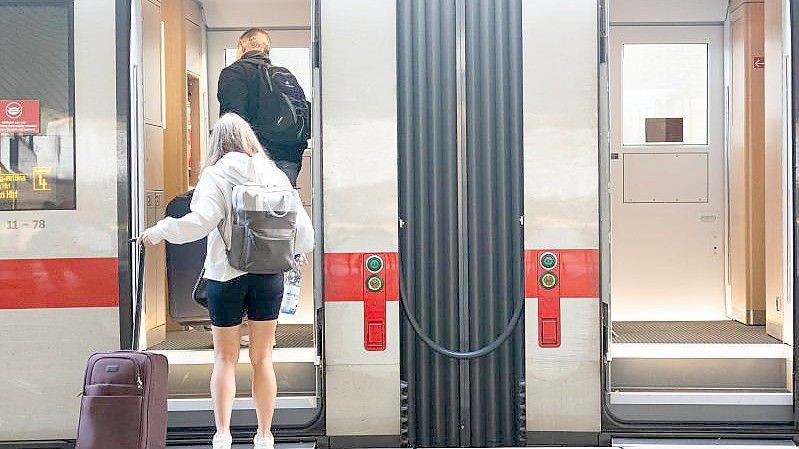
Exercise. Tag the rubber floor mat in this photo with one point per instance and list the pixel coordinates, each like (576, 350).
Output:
(690, 332)
(287, 336)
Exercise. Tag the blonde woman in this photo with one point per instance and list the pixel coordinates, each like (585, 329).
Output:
(235, 157)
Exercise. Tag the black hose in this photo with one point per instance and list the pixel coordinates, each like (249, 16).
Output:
(462, 355)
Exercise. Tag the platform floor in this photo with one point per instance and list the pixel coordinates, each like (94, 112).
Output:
(689, 332)
(287, 336)
(631, 444)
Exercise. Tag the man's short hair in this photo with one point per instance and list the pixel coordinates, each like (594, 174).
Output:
(256, 38)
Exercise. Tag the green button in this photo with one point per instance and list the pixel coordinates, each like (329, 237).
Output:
(548, 261)
(548, 280)
(374, 264)
(374, 283)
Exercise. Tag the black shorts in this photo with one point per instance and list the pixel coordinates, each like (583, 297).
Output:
(256, 296)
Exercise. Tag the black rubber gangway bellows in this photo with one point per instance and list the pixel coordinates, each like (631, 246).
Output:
(459, 76)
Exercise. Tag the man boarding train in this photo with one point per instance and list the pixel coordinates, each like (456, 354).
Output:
(269, 99)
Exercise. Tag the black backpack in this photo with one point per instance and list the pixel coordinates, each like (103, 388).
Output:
(284, 115)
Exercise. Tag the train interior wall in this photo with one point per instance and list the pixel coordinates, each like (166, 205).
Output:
(700, 234)
(185, 45)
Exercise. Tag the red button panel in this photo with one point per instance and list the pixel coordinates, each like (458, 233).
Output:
(550, 332)
(376, 335)
(548, 304)
(374, 307)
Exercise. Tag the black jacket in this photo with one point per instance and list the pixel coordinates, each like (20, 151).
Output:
(239, 85)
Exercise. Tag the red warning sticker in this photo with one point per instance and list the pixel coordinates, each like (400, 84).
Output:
(19, 117)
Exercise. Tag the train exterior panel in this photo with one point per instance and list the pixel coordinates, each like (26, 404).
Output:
(66, 275)
(59, 283)
(561, 212)
(359, 141)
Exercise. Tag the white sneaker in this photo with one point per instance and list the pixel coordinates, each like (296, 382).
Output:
(222, 441)
(264, 442)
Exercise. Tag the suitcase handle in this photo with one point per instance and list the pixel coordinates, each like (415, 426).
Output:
(138, 302)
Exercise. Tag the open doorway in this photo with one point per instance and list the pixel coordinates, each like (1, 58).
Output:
(185, 44)
(699, 269)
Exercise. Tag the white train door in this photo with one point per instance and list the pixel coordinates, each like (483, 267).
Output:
(667, 173)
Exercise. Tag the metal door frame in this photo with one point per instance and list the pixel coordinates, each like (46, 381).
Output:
(198, 426)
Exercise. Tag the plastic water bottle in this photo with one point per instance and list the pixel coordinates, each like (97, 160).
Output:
(291, 290)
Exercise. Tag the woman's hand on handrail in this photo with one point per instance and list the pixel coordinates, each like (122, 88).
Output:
(144, 239)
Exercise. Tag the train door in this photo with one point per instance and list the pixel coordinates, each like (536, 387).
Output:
(688, 193)
(667, 173)
(179, 49)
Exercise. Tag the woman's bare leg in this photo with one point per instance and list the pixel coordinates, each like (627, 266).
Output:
(223, 378)
(264, 383)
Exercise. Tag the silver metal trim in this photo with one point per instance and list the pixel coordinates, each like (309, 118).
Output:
(463, 235)
(206, 356)
(700, 398)
(317, 207)
(203, 404)
(698, 442)
(667, 24)
(271, 28)
(295, 445)
(604, 148)
(697, 351)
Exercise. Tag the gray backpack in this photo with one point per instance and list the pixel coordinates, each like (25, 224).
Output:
(263, 224)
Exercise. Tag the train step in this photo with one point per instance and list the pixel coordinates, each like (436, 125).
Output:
(278, 445)
(717, 374)
(189, 372)
(644, 443)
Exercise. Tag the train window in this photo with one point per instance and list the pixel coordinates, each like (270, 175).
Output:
(665, 94)
(298, 60)
(37, 149)
(231, 54)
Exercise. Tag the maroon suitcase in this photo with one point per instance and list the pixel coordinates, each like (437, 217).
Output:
(124, 404)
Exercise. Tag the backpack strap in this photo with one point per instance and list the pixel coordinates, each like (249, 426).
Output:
(221, 226)
(263, 69)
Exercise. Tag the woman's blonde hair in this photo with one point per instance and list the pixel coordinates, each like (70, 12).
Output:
(231, 134)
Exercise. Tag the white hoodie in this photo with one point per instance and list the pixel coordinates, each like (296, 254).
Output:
(212, 200)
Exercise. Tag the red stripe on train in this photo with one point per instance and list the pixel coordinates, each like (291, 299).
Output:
(345, 274)
(552, 276)
(579, 274)
(575, 273)
(59, 283)
(371, 278)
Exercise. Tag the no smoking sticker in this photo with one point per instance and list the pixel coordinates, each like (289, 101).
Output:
(19, 117)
